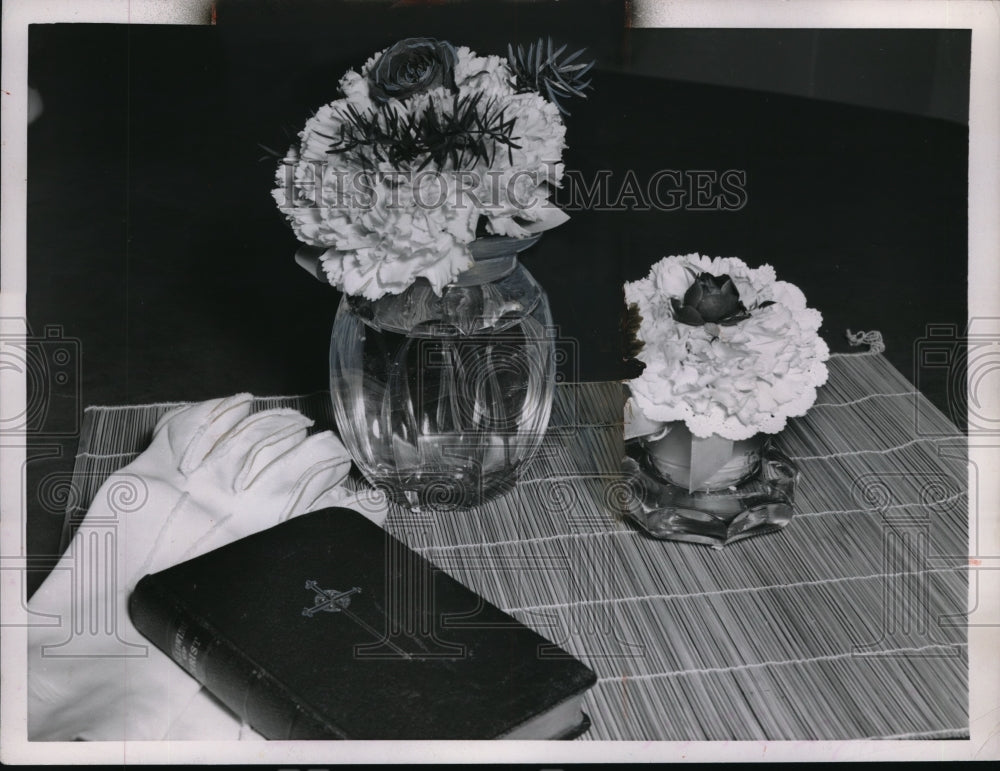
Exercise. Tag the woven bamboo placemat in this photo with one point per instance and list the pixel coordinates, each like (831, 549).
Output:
(848, 624)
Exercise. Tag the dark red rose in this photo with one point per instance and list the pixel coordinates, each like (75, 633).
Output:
(410, 67)
(710, 300)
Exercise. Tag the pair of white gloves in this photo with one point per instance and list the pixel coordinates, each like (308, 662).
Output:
(213, 473)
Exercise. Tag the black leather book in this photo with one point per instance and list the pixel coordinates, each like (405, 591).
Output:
(327, 627)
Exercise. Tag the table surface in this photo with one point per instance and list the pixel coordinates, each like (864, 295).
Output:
(848, 624)
(156, 252)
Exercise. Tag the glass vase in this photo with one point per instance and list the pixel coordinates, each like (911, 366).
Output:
(442, 399)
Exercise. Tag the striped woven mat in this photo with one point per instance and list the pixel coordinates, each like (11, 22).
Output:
(848, 624)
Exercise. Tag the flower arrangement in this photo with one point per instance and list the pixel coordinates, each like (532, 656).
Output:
(727, 348)
(429, 147)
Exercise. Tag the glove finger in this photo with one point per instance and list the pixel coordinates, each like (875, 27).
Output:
(192, 431)
(253, 433)
(318, 480)
(267, 451)
(368, 501)
(320, 459)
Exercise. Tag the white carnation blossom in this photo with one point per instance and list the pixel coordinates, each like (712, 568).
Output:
(541, 131)
(384, 227)
(367, 67)
(355, 89)
(732, 381)
(488, 75)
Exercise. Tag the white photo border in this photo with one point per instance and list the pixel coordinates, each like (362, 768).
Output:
(983, 18)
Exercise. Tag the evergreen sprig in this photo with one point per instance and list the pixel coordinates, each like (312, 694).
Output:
(470, 132)
(540, 68)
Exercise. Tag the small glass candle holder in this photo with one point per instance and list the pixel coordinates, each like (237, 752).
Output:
(763, 502)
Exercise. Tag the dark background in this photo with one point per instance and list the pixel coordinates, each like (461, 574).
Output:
(154, 243)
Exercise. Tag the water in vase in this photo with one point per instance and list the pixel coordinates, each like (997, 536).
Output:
(446, 413)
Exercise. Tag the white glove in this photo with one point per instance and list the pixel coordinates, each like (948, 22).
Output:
(212, 474)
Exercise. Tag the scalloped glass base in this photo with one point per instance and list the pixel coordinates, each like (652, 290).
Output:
(762, 504)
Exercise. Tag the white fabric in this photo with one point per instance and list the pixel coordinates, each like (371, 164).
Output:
(213, 473)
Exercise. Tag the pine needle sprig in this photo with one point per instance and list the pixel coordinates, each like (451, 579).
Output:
(470, 132)
(540, 68)
(288, 137)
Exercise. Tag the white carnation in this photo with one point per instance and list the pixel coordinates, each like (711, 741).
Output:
(733, 381)
(355, 88)
(486, 75)
(384, 227)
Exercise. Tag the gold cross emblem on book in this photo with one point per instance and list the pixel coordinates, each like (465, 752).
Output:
(329, 600)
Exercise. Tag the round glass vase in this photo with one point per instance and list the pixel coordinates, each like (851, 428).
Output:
(442, 399)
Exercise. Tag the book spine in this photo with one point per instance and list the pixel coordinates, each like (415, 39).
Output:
(247, 689)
